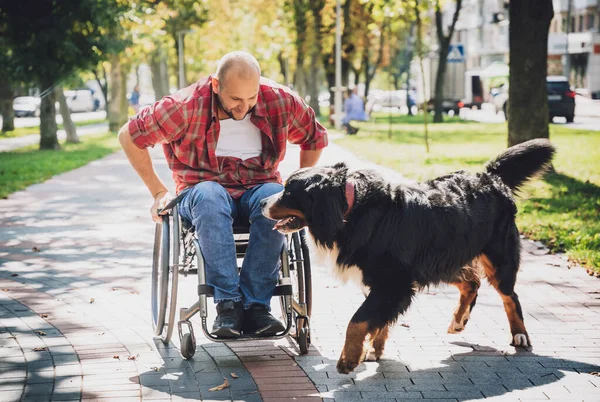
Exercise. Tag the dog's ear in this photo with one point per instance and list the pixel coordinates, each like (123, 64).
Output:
(326, 215)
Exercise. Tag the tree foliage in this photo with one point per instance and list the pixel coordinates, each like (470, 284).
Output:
(50, 39)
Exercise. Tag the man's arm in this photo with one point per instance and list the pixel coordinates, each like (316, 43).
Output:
(142, 163)
(309, 158)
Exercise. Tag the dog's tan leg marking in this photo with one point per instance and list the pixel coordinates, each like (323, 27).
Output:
(512, 306)
(353, 351)
(468, 285)
(377, 345)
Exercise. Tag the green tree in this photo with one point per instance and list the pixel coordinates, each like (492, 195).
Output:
(50, 39)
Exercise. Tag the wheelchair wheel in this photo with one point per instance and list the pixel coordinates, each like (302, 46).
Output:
(301, 280)
(165, 276)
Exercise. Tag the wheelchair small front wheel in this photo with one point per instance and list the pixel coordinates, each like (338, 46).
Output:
(303, 340)
(188, 346)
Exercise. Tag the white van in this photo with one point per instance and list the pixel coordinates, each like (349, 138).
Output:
(81, 100)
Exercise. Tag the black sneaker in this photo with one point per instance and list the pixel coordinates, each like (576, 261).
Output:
(258, 321)
(230, 316)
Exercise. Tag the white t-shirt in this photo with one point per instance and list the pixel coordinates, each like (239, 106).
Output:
(239, 138)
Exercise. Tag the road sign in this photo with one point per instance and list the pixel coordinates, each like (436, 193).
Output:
(456, 54)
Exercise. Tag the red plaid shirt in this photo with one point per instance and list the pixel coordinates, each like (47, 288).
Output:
(187, 125)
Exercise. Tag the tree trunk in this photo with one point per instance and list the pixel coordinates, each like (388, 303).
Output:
(444, 45)
(317, 50)
(438, 117)
(283, 68)
(6, 107)
(176, 38)
(301, 25)
(48, 137)
(313, 83)
(160, 74)
(66, 116)
(118, 107)
(527, 92)
(103, 87)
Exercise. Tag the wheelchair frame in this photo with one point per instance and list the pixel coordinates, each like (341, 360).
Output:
(168, 263)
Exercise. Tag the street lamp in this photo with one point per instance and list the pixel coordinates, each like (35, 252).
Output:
(338, 67)
(181, 61)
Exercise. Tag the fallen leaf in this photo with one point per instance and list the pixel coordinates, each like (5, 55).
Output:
(40, 333)
(35, 249)
(40, 349)
(44, 315)
(405, 325)
(12, 337)
(116, 357)
(13, 275)
(115, 288)
(595, 373)
(221, 387)
(133, 357)
(5, 290)
(234, 375)
(92, 300)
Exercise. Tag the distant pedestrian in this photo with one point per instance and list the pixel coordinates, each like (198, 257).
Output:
(354, 109)
(134, 99)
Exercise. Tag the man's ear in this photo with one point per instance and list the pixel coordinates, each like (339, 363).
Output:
(326, 216)
(215, 84)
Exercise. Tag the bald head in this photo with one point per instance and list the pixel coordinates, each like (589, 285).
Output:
(238, 64)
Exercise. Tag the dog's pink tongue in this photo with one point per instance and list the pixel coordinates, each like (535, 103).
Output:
(282, 223)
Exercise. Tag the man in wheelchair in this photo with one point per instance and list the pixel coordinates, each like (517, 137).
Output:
(223, 138)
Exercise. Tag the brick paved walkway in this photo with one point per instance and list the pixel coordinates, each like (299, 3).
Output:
(74, 318)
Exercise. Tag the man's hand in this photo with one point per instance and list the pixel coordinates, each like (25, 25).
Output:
(160, 200)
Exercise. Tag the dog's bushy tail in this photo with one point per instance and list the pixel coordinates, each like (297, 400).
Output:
(521, 162)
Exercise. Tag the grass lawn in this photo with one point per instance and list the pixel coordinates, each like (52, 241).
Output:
(562, 210)
(22, 131)
(27, 166)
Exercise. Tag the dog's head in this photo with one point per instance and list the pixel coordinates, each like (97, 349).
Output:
(313, 197)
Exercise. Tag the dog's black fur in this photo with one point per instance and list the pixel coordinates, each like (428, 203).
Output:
(404, 237)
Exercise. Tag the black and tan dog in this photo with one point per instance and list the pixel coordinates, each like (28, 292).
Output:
(396, 239)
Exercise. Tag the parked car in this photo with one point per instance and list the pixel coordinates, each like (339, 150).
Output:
(561, 99)
(448, 105)
(80, 100)
(27, 106)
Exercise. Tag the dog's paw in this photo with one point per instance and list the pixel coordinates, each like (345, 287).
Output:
(373, 355)
(455, 327)
(521, 341)
(346, 366)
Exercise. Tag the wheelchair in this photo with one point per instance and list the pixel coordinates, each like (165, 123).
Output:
(177, 253)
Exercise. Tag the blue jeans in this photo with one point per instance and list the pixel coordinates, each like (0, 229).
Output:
(212, 211)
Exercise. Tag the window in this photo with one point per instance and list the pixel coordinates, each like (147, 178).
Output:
(591, 22)
(563, 26)
(572, 25)
(580, 23)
